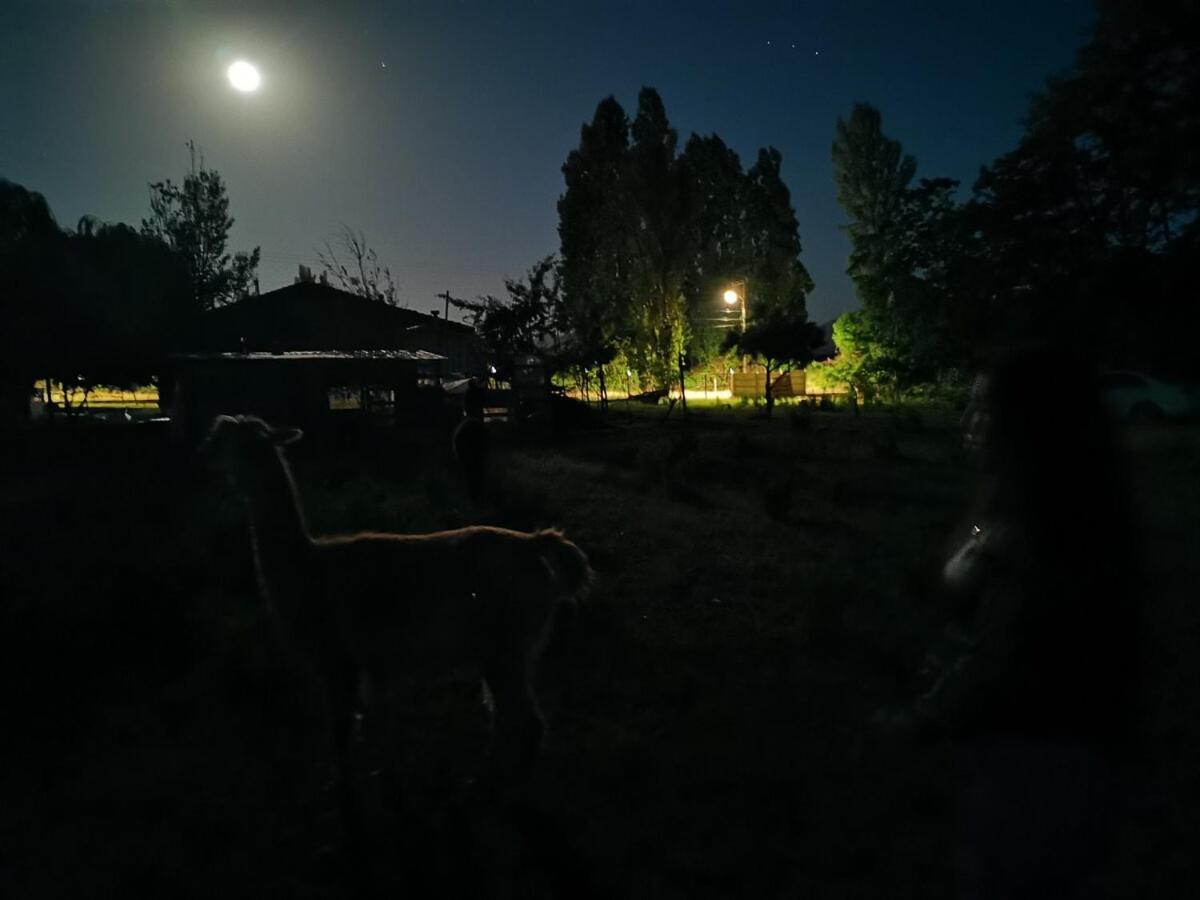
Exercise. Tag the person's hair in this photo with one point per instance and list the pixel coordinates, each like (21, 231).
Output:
(1060, 487)
(1051, 442)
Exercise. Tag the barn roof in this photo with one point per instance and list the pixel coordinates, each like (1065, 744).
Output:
(301, 355)
(305, 316)
(311, 317)
(313, 294)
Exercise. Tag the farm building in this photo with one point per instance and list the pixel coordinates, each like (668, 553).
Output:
(313, 389)
(310, 355)
(311, 316)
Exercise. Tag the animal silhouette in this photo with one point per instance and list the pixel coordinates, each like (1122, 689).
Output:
(381, 605)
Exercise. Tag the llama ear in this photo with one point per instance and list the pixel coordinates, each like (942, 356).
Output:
(284, 436)
(210, 437)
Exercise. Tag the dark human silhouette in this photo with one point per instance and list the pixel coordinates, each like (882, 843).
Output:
(471, 442)
(472, 447)
(379, 605)
(1041, 702)
(473, 401)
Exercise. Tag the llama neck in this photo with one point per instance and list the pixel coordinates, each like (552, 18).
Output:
(282, 544)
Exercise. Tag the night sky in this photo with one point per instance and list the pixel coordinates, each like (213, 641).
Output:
(439, 129)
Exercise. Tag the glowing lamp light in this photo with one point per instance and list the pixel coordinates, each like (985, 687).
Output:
(731, 297)
(244, 77)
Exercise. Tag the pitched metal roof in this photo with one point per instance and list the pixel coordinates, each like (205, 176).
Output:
(297, 355)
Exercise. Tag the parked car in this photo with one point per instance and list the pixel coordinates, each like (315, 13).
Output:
(1136, 397)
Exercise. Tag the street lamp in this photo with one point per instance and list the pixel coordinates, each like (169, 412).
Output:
(733, 296)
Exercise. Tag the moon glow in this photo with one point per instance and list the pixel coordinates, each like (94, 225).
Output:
(244, 77)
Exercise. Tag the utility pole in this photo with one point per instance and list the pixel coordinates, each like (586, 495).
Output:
(743, 299)
(445, 295)
(739, 297)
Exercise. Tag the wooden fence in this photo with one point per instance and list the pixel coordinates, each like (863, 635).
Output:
(753, 384)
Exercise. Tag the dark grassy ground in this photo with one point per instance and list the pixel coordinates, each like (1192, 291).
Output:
(762, 588)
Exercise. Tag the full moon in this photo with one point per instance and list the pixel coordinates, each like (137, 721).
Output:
(244, 77)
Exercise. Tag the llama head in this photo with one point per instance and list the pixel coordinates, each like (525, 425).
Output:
(245, 447)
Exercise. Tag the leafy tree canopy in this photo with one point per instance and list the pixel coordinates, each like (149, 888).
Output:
(777, 337)
(523, 324)
(1085, 227)
(193, 219)
(104, 303)
(909, 246)
(651, 236)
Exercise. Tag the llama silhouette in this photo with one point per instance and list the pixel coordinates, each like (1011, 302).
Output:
(377, 606)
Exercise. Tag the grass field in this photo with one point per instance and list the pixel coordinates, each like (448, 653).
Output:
(763, 587)
(102, 397)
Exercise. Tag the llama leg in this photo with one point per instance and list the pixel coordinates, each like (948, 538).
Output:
(518, 726)
(343, 694)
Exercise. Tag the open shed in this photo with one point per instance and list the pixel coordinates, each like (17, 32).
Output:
(310, 389)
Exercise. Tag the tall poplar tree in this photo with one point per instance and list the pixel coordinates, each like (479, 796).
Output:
(872, 174)
(594, 231)
(782, 283)
(650, 238)
(907, 244)
(663, 240)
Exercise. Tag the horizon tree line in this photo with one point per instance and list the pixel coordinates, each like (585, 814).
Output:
(1084, 233)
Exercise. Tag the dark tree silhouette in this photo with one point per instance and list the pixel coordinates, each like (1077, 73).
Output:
(595, 247)
(872, 175)
(523, 324)
(304, 275)
(1087, 226)
(722, 242)
(908, 245)
(780, 280)
(1084, 230)
(352, 264)
(102, 305)
(650, 236)
(663, 241)
(32, 259)
(132, 301)
(193, 219)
